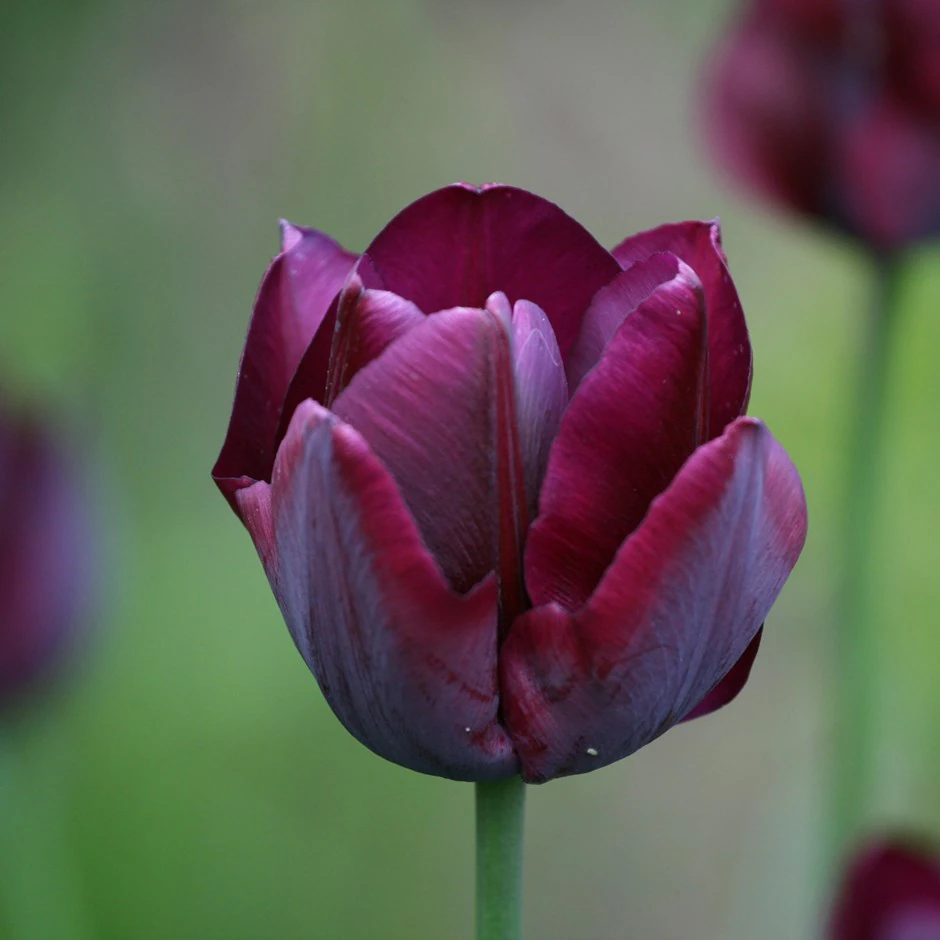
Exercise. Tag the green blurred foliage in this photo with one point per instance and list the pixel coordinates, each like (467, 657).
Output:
(190, 782)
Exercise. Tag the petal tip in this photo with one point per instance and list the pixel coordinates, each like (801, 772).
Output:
(291, 235)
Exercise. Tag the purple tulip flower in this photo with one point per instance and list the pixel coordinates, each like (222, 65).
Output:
(501, 486)
(890, 892)
(831, 108)
(45, 564)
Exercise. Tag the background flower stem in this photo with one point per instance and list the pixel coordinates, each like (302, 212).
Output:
(500, 809)
(856, 653)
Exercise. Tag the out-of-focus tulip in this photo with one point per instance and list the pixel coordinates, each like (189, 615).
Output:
(501, 486)
(890, 892)
(831, 108)
(45, 558)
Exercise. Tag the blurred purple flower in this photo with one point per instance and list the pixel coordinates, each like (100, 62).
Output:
(831, 108)
(891, 891)
(500, 483)
(45, 559)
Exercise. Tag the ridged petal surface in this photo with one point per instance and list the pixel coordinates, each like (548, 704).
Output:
(406, 663)
(428, 408)
(631, 425)
(698, 244)
(680, 604)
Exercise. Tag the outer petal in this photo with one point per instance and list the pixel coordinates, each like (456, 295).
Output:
(683, 599)
(254, 509)
(890, 892)
(428, 408)
(698, 244)
(407, 664)
(456, 246)
(730, 686)
(629, 428)
(292, 300)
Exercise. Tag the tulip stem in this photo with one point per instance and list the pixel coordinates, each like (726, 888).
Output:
(857, 652)
(500, 807)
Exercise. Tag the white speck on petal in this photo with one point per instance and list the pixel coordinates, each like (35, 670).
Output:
(592, 751)
(467, 730)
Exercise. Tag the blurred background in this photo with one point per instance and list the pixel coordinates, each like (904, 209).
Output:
(189, 781)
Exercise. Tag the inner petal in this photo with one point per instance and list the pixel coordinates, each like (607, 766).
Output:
(613, 303)
(437, 409)
(541, 390)
(632, 423)
(359, 326)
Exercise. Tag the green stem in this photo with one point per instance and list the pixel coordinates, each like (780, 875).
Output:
(856, 653)
(500, 812)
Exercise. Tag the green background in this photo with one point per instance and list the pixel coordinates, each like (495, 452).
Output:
(189, 781)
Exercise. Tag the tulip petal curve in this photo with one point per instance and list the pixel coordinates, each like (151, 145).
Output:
(292, 300)
(731, 685)
(680, 604)
(698, 244)
(407, 664)
(457, 245)
(631, 424)
(541, 393)
(359, 325)
(428, 409)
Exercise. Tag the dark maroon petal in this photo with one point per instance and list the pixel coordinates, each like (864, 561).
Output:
(767, 107)
(365, 328)
(254, 509)
(698, 244)
(891, 891)
(292, 300)
(428, 408)
(730, 686)
(891, 159)
(456, 246)
(310, 377)
(357, 328)
(632, 423)
(613, 303)
(541, 393)
(407, 664)
(678, 607)
(47, 553)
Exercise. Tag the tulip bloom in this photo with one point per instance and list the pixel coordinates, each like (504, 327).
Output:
(832, 109)
(501, 486)
(890, 892)
(44, 559)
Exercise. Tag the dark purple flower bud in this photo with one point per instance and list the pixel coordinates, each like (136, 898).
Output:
(891, 891)
(45, 562)
(831, 108)
(501, 483)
